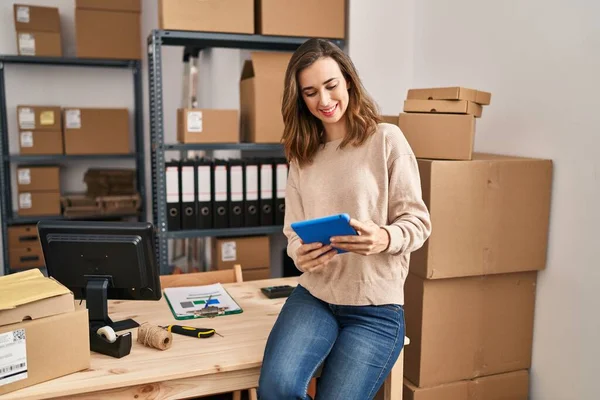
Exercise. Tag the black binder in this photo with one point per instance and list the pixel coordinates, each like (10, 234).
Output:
(173, 204)
(266, 185)
(204, 198)
(281, 174)
(251, 206)
(236, 193)
(221, 194)
(187, 194)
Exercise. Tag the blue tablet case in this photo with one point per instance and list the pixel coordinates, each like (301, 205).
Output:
(321, 229)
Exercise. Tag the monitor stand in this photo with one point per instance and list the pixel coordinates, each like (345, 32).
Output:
(96, 298)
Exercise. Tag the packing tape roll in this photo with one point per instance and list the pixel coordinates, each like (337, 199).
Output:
(107, 333)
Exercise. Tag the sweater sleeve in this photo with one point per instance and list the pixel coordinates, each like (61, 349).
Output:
(293, 212)
(408, 217)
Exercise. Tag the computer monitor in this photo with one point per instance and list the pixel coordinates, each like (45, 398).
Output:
(100, 260)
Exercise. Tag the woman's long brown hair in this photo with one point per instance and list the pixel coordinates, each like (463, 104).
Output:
(303, 132)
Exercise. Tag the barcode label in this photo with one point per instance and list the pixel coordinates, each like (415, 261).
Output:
(12, 368)
(13, 356)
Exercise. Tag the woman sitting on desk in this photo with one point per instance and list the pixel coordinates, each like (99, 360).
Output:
(347, 312)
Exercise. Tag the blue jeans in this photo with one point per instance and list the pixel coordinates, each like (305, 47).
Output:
(358, 346)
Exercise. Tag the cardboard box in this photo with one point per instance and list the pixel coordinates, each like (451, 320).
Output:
(439, 136)
(96, 131)
(230, 16)
(256, 274)
(38, 179)
(196, 125)
(306, 18)
(121, 41)
(261, 92)
(251, 252)
(450, 93)
(26, 257)
(464, 328)
(34, 18)
(39, 118)
(509, 386)
(39, 203)
(443, 106)
(41, 44)
(490, 216)
(23, 236)
(40, 350)
(41, 142)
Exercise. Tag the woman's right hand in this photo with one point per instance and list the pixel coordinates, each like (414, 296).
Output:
(314, 256)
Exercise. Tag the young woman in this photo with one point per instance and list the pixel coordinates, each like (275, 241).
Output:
(347, 311)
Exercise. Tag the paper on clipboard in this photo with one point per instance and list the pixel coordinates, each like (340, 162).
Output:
(185, 301)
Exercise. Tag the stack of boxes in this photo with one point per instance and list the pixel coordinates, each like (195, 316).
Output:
(40, 130)
(38, 190)
(24, 247)
(38, 31)
(470, 292)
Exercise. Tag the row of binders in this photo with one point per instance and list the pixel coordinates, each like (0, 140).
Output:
(215, 194)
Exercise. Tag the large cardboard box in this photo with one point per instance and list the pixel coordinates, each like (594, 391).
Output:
(96, 131)
(464, 328)
(121, 41)
(35, 18)
(39, 203)
(509, 386)
(195, 125)
(39, 118)
(439, 136)
(443, 106)
(490, 215)
(38, 179)
(251, 252)
(306, 18)
(230, 16)
(450, 93)
(261, 92)
(41, 142)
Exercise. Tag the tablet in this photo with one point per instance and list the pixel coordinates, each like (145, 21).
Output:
(321, 229)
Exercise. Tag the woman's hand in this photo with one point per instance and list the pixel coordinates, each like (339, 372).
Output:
(313, 256)
(371, 239)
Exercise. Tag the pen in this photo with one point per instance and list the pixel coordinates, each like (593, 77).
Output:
(208, 301)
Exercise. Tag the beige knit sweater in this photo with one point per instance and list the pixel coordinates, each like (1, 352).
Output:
(377, 181)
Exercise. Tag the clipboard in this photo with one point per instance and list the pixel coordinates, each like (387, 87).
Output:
(188, 302)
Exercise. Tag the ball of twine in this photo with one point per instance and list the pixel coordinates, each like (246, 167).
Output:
(154, 336)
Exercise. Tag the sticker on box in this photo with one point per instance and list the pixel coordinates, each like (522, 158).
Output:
(73, 118)
(24, 176)
(26, 118)
(24, 200)
(23, 14)
(13, 357)
(194, 121)
(47, 118)
(26, 44)
(228, 251)
(26, 139)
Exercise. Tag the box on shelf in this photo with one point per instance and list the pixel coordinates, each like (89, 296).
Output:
(38, 179)
(256, 274)
(491, 215)
(38, 30)
(96, 130)
(252, 253)
(95, 40)
(487, 325)
(197, 125)
(261, 91)
(228, 16)
(23, 236)
(38, 203)
(41, 44)
(439, 136)
(306, 18)
(39, 118)
(41, 142)
(450, 93)
(443, 106)
(26, 257)
(511, 385)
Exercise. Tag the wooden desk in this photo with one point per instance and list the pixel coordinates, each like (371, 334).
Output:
(191, 367)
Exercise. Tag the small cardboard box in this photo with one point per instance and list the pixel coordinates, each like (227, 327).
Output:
(41, 44)
(450, 93)
(252, 253)
(511, 385)
(121, 41)
(39, 203)
(39, 118)
(96, 130)
(41, 142)
(23, 236)
(196, 125)
(443, 106)
(261, 92)
(439, 136)
(465, 328)
(490, 214)
(36, 19)
(26, 257)
(256, 274)
(306, 18)
(230, 16)
(38, 179)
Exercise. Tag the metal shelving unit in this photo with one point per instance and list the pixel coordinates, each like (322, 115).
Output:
(6, 159)
(196, 41)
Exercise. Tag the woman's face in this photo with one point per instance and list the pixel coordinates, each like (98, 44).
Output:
(324, 90)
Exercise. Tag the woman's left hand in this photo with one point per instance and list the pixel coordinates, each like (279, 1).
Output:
(371, 238)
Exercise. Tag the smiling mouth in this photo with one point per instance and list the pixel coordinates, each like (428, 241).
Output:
(328, 112)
